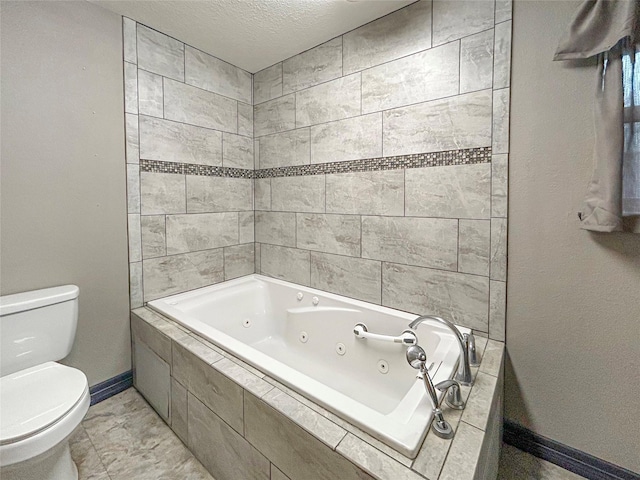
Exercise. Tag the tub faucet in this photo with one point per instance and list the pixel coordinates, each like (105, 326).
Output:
(417, 358)
(467, 343)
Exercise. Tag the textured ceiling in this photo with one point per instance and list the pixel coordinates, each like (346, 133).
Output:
(253, 34)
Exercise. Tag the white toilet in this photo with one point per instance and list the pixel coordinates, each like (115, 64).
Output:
(41, 401)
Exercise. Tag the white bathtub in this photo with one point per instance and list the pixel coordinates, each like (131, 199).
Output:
(296, 341)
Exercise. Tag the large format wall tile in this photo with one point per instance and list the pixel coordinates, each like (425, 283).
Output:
(499, 249)
(329, 233)
(275, 116)
(329, 101)
(247, 224)
(238, 261)
(273, 434)
(135, 239)
(499, 185)
(224, 452)
(245, 119)
(460, 191)
(130, 88)
(214, 389)
(502, 55)
(187, 104)
(210, 73)
(237, 151)
(129, 40)
(404, 32)
(503, 10)
(276, 228)
(218, 194)
(500, 143)
(178, 273)
(298, 194)
(353, 277)
(461, 298)
(133, 188)
(267, 84)
(420, 77)
(263, 194)
(179, 142)
(427, 242)
(366, 193)
(160, 54)
(463, 121)
(162, 193)
(474, 247)
(150, 94)
(497, 309)
(316, 65)
(476, 62)
(285, 263)
(135, 284)
(452, 20)
(204, 231)
(349, 139)
(154, 242)
(131, 138)
(284, 149)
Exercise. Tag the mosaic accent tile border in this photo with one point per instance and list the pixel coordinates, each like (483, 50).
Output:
(159, 166)
(467, 156)
(433, 159)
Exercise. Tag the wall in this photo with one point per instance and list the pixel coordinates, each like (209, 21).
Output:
(189, 166)
(573, 309)
(381, 161)
(63, 180)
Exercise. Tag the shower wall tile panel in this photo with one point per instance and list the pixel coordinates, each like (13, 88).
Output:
(298, 194)
(267, 84)
(210, 73)
(349, 139)
(274, 116)
(314, 66)
(459, 191)
(284, 149)
(187, 104)
(453, 20)
(426, 242)
(462, 121)
(187, 228)
(461, 298)
(402, 33)
(190, 233)
(150, 101)
(178, 142)
(334, 100)
(366, 193)
(376, 163)
(420, 77)
(476, 62)
(161, 54)
(354, 277)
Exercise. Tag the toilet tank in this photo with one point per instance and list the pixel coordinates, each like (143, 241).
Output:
(37, 327)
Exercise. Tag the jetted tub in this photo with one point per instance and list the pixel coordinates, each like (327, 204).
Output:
(304, 338)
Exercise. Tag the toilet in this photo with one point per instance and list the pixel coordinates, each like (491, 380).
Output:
(41, 401)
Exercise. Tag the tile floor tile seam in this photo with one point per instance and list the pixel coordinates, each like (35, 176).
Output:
(104, 468)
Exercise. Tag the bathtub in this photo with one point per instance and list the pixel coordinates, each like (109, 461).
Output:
(304, 338)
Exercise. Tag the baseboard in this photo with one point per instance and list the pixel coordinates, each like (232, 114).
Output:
(566, 457)
(111, 387)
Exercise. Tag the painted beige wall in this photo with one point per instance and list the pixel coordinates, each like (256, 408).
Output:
(63, 200)
(573, 315)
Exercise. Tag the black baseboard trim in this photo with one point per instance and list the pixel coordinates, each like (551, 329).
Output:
(566, 457)
(111, 387)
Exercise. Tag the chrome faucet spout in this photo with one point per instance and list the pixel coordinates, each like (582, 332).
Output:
(464, 342)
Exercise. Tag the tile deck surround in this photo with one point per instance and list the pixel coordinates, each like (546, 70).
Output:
(302, 421)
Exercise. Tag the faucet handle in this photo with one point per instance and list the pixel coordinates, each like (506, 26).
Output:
(454, 395)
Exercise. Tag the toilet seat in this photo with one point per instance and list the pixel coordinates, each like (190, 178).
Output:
(40, 407)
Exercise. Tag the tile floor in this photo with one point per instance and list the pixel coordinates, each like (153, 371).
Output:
(122, 438)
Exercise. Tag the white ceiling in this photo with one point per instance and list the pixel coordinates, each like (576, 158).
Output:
(253, 34)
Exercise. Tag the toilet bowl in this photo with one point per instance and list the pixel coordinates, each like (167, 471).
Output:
(41, 401)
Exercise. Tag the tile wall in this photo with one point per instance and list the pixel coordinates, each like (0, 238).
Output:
(414, 107)
(189, 138)
(373, 165)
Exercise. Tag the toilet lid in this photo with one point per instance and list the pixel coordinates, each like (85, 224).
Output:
(33, 399)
